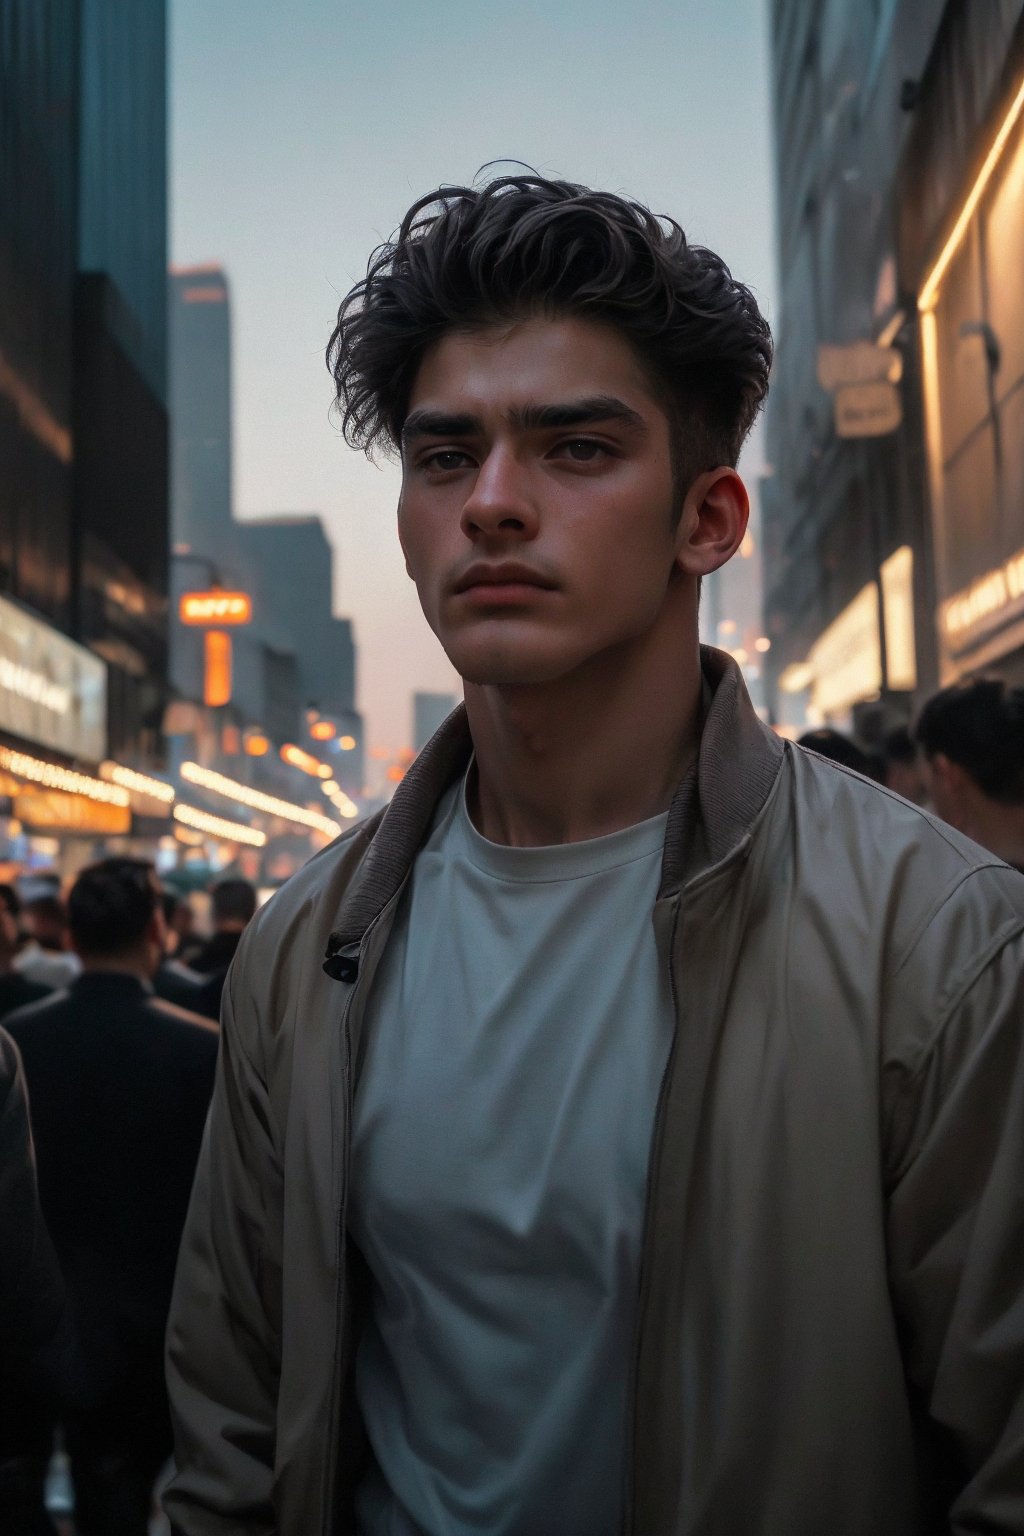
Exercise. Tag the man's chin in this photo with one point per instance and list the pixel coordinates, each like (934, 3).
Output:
(506, 669)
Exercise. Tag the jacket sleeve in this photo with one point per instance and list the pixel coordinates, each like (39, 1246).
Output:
(31, 1287)
(223, 1340)
(956, 1219)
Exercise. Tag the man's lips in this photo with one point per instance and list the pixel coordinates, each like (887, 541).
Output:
(494, 578)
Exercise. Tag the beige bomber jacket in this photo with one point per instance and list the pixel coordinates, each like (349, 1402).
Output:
(830, 1319)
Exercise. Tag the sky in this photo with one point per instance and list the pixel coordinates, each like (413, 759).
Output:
(301, 133)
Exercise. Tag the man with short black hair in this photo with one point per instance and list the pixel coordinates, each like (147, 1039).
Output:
(16, 990)
(119, 1085)
(45, 958)
(622, 1131)
(903, 765)
(233, 905)
(972, 737)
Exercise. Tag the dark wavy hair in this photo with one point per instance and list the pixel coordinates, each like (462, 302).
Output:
(466, 257)
(980, 725)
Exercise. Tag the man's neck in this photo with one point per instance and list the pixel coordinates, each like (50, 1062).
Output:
(1000, 828)
(130, 966)
(588, 755)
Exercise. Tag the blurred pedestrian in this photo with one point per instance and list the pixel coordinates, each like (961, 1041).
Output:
(972, 738)
(46, 957)
(119, 1083)
(181, 926)
(839, 748)
(32, 1306)
(15, 988)
(175, 981)
(624, 1130)
(903, 772)
(232, 905)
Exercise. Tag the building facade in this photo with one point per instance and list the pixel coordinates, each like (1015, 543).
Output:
(83, 422)
(291, 665)
(886, 115)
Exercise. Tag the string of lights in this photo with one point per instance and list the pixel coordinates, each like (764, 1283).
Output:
(53, 777)
(231, 789)
(218, 826)
(140, 782)
(342, 804)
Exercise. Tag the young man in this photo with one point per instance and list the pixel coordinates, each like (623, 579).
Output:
(972, 738)
(646, 1155)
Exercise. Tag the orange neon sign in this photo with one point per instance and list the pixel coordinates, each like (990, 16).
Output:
(217, 676)
(215, 607)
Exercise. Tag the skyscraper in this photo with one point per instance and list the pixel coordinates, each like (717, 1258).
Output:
(200, 393)
(83, 429)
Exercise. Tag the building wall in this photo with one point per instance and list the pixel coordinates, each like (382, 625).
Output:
(83, 428)
(289, 562)
(428, 712)
(882, 112)
(833, 510)
(200, 400)
(122, 223)
(121, 509)
(38, 97)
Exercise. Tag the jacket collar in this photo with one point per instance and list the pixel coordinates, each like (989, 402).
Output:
(713, 809)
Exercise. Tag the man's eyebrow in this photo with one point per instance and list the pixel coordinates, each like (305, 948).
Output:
(528, 418)
(577, 413)
(427, 423)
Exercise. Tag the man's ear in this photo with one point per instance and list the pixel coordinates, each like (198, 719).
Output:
(713, 522)
(401, 541)
(950, 775)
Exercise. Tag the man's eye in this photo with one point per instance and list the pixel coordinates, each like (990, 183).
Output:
(582, 450)
(446, 458)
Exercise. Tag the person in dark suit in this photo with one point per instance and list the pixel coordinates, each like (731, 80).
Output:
(15, 989)
(120, 1082)
(234, 905)
(32, 1306)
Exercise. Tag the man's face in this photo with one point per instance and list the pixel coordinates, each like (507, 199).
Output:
(537, 512)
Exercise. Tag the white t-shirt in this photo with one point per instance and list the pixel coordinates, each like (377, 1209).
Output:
(516, 1037)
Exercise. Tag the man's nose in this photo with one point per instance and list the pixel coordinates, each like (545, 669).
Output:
(500, 501)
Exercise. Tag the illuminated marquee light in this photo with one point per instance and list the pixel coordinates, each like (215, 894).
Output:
(53, 777)
(305, 761)
(347, 743)
(140, 782)
(929, 294)
(321, 730)
(219, 784)
(215, 607)
(218, 826)
(334, 792)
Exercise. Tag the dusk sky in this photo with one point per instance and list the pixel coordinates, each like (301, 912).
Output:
(301, 133)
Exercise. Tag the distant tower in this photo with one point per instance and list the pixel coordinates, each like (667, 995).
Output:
(428, 711)
(200, 397)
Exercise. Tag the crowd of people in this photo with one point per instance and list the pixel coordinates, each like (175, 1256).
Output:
(963, 759)
(107, 1057)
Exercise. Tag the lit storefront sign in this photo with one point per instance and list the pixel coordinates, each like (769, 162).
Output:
(52, 691)
(53, 810)
(844, 665)
(216, 669)
(985, 607)
(215, 607)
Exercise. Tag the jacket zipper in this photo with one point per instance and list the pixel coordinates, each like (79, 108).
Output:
(644, 1269)
(331, 1456)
